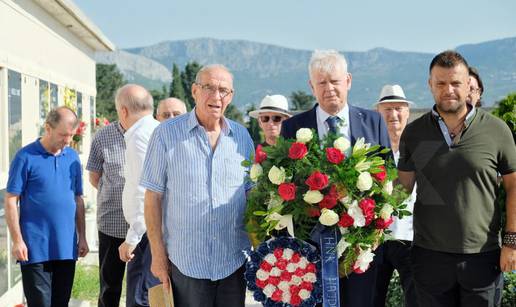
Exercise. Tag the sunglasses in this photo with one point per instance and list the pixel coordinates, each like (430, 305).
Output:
(267, 118)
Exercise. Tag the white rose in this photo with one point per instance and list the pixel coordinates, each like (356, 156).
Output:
(304, 294)
(256, 172)
(287, 253)
(328, 217)
(296, 280)
(313, 197)
(270, 258)
(275, 272)
(388, 187)
(262, 275)
(277, 175)
(356, 213)
(310, 277)
(286, 297)
(341, 144)
(386, 211)
(269, 290)
(364, 259)
(365, 181)
(283, 286)
(304, 135)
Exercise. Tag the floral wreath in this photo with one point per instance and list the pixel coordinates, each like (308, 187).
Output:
(284, 271)
(302, 183)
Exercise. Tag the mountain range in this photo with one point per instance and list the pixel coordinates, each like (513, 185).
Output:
(261, 69)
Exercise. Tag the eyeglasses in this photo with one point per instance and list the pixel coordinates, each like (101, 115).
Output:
(475, 90)
(267, 118)
(211, 89)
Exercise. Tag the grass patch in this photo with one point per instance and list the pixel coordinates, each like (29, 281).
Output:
(86, 283)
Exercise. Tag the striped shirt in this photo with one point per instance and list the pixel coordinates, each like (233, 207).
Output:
(107, 157)
(204, 194)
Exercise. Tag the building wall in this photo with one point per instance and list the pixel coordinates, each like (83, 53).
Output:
(46, 60)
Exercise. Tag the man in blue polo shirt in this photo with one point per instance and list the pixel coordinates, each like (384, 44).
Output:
(45, 180)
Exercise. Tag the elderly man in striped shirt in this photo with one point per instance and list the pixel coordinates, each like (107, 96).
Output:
(196, 185)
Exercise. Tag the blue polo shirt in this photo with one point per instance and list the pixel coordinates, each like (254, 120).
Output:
(47, 186)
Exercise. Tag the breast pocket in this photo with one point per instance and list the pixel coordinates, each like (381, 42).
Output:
(233, 171)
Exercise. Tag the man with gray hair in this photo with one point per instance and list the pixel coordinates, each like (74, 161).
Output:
(193, 171)
(45, 179)
(134, 106)
(330, 82)
(170, 108)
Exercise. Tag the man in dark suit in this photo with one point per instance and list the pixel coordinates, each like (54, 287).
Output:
(330, 83)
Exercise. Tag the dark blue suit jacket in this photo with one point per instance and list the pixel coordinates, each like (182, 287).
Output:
(364, 123)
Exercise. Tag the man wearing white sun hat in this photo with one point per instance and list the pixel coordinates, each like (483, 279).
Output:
(395, 253)
(272, 112)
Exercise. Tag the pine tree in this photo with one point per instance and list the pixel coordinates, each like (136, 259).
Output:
(188, 78)
(176, 87)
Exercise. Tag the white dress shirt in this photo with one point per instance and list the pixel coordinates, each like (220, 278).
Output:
(136, 141)
(343, 126)
(402, 228)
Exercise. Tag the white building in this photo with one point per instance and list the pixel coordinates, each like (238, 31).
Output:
(46, 59)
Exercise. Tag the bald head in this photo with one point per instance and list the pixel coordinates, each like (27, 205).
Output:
(170, 108)
(63, 115)
(135, 98)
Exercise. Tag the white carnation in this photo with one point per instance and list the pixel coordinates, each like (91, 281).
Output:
(270, 258)
(356, 213)
(364, 259)
(388, 187)
(296, 280)
(262, 275)
(283, 286)
(342, 246)
(386, 211)
(310, 277)
(304, 294)
(269, 290)
(291, 267)
(287, 253)
(275, 272)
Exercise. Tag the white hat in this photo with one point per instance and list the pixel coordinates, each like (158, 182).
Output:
(273, 103)
(392, 93)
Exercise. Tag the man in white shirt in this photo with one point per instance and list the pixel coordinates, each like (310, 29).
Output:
(134, 106)
(395, 253)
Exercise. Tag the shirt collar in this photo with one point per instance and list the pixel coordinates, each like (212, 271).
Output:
(343, 115)
(469, 117)
(41, 149)
(193, 122)
(137, 124)
(119, 127)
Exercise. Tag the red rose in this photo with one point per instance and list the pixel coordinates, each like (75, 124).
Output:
(310, 268)
(346, 220)
(367, 205)
(277, 295)
(334, 155)
(383, 224)
(260, 155)
(295, 300)
(287, 191)
(285, 276)
(273, 280)
(306, 285)
(328, 202)
(297, 151)
(381, 175)
(281, 264)
(278, 252)
(265, 266)
(317, 181)
(261, 283)
(294, 290)
(299, 272)
(295, 258)
(313, 212)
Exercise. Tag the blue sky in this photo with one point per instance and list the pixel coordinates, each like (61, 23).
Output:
(347, 25)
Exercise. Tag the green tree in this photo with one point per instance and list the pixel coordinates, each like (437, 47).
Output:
(109, 79)
(254, 127)
(232, 112)
(506, 110)
(188, 78)
(301, 101)
(158, 95)
(176, 87)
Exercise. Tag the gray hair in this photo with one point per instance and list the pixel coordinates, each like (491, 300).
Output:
(210, 67)
(135, 98)
(326, 61)
(54, 116)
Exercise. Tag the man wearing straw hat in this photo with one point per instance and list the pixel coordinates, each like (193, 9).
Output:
(272, 112)
(395, 253)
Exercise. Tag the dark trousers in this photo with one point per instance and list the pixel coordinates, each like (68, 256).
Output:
(111, 271)
(395, 256)
(192, 292)
(139, 277)
(48, 284)
(357, 290)
(447, 279)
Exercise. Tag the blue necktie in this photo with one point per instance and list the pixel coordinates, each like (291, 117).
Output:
(333, 121)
